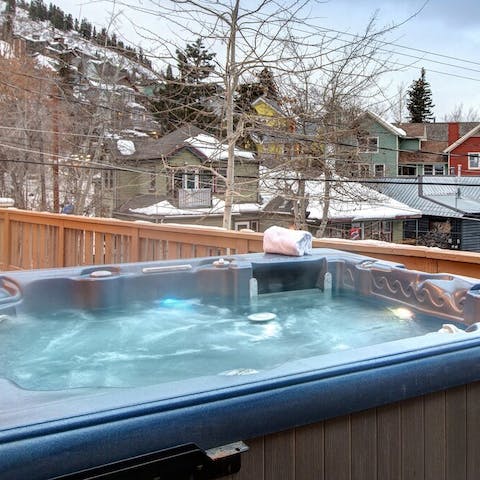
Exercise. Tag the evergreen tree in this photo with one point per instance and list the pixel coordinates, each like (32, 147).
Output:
(187, 98)
(86, 29)
(68, 22)
(195, 62)
(250, 91)
(419, 102)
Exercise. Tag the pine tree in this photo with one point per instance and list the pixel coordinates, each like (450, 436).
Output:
(419, 103)
(249, 92)
(195, 62)
(186, 99)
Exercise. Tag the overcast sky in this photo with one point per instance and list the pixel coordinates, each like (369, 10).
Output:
(442, 35)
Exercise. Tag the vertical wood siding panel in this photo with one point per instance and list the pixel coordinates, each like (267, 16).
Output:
(172, 251)
(253, 461)
(280, 456)
(389, 442)
(364, 445)
(413, 446)
(456, 418)
(27, 247)
(99, 257)
(309, 452)
(435, 436)
(67, 248)
(88, 257)
(337, 448)
(108, 248)
(473, 431)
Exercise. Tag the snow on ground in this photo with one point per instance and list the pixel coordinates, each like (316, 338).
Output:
(5, 49)
(43, 32)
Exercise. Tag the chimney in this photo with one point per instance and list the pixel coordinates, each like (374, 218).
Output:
(453, 132)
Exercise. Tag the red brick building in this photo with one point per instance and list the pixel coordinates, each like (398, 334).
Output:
(463, 152)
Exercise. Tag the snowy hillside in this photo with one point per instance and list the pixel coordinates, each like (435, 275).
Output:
(43, 33)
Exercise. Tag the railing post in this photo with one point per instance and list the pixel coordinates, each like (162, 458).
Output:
(61, 246)
(7, 251)
(135, 245)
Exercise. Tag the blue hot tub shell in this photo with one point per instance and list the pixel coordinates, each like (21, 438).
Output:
(44, 434)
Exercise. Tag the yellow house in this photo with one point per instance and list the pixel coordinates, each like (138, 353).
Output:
(273, 127)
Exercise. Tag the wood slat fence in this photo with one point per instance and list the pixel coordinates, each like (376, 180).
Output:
(31, 240)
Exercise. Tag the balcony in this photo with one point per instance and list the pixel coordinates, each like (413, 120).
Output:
(194, 198)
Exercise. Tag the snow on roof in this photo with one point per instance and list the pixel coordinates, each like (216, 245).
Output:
(349, 201)
(136, 105)
(46, 62)
(126, 147)
(387, 125)
(214, 149)
(165, 208)
(134, 133)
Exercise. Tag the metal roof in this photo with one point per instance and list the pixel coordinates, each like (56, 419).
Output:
(443, 196)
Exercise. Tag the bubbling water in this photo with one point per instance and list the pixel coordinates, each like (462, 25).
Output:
(174, 339)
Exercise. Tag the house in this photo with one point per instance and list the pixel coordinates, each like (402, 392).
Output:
(179, 178)
(354, 211)
(378, 146)
(464, 151)
(272, 129)
(411, 149)
(428, 156)
(450, 207)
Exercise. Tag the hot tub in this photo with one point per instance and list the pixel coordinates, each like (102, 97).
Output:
(64, 409)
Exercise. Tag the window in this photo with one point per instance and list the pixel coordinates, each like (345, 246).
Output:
(380, 230)
(249, 224)
(368, 144)
(474, 161)
(153, 182)
(428, 169)
(108, 178)
(364, 170)
(433, 169)
(190, 180)
(407, 170)
(379, 170)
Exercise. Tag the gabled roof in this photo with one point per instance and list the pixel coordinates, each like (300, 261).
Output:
(387, 125)
(270, 102)
(469, 134)
(200, 143)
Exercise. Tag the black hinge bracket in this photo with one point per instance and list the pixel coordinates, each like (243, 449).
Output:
(183, 462)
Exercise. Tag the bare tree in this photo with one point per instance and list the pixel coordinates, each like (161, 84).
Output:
(25, 134)
(245, 39)
(459, 114)
(326, 98)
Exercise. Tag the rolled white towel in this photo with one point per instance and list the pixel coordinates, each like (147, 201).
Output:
(287, 242)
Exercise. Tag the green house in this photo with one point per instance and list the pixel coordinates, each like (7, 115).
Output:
(178, 178)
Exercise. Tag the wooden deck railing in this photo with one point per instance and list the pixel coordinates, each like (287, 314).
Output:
(42, 240)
